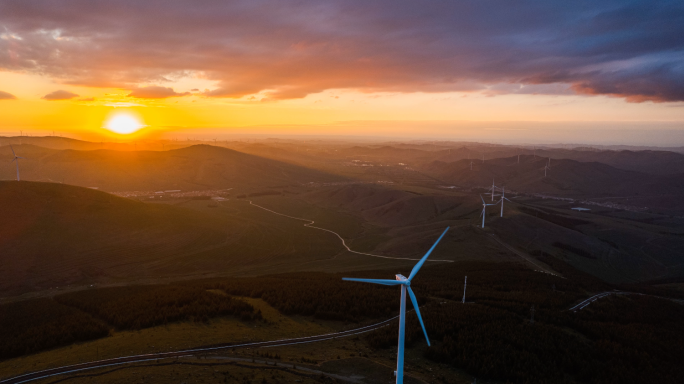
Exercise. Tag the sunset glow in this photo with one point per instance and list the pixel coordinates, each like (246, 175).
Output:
(123, 123)
(255, 69)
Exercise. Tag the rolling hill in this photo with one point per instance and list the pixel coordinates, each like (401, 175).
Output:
(56, 234)
(191, 168)
(565, 177)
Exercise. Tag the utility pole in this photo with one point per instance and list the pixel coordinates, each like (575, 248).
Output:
(532, 314)
(464, 289)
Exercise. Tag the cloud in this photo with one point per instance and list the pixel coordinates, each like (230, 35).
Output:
(632, 50)
(59, 95)
(154, 92)
(6, 96)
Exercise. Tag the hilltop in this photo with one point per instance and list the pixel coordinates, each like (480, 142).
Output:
(189, 168)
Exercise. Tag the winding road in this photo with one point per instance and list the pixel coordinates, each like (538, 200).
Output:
(344, 243)
(601, 295)
(28, 377)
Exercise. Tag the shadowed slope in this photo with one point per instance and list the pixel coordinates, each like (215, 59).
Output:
(59, 234)
(190, 168)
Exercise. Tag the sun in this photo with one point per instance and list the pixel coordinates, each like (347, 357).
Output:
(123, 123)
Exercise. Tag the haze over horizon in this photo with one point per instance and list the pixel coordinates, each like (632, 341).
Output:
(530, 72)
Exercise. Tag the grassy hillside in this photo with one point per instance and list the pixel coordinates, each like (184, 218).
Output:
(565, 177)
(197, 167)
(58, 234)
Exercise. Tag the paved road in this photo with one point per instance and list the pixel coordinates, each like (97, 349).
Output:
(28, 377)
(597, 296)
(310, 225)
(590, 300)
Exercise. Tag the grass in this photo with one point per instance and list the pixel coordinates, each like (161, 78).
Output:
(172, 337)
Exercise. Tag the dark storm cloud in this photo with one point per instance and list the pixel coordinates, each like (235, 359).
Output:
(6, 96)
(290, 49)
(59, 95)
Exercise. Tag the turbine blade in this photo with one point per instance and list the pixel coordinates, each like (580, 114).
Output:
(374, 281)
(507, 199)
(422, 261)
(415, 306)
(483, 211)
(12, 148)
(481, 198)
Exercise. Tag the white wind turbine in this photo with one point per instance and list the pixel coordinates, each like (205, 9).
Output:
(405, 283)
(546, 168)
(493, 189)
(16, 158)
(484, 210)
(503, 197)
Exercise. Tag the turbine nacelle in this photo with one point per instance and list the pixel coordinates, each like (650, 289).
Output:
(403, 279)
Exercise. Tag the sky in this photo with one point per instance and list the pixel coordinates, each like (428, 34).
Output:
(517, 71)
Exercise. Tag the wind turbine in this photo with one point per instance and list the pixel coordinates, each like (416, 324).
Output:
(546, 167)
(503, 197)
(465, 283)
(484, 208)
(16, 158)
(405, 283)
(494, 187)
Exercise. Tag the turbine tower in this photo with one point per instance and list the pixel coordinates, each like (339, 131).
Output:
(464, 289)
(546, 168)
(484, 208)
(503, 197)
(493, 189)
(16, 158)
(405, 283)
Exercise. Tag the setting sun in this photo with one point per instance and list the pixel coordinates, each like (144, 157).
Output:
(123, 123)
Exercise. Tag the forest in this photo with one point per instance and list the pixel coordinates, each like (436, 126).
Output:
(622, 339)
(34, 325)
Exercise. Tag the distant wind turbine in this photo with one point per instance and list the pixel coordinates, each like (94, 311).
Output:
(405, 283)
(546, 168)
(503, 197)
(16, 158)
(493, 189)
(484, 210)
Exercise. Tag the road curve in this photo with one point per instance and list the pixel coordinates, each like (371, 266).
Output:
(32, 376)
(597, 296)
(601, 295)
(310, 225)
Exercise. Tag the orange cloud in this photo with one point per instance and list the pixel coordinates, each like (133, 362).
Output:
(154, 92)
(59, 95)
(6, 96)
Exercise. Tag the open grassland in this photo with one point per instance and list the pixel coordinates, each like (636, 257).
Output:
(71, 237)
(616, 246)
